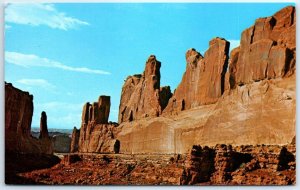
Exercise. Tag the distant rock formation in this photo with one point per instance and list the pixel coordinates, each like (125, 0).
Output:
(141, 94)
(96, 134)
(43, 126)
(18, 117)
(75, 140)
(98, 112)
(61, 143)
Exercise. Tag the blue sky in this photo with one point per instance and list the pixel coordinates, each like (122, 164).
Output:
(69, 54)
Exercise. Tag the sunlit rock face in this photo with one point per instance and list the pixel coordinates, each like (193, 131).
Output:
(142, 95)
(248, 97)
(96, 133)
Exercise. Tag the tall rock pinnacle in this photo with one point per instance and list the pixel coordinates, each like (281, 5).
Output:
(43, 126)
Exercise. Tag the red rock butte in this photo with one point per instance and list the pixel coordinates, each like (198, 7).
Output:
(245, 98)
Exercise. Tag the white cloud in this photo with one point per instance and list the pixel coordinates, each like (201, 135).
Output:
(37, 82)
(30, 60)
(233, 44)
(40, 14)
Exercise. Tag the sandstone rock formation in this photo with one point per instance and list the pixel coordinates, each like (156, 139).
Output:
(199, 166)
(98, 112)
(251, 102)
(248, 165)
(204, 79)
(43, 126)
(186, 94)
(99, 138)
(268, 48)
(96, 134)
(231, 81)
(61, 143)
(23, 152)
(75, 140)
(222, 103)
(141, 94)
(18, 117)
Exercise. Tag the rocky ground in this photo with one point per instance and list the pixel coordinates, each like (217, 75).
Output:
(219, 165)
(97, 169)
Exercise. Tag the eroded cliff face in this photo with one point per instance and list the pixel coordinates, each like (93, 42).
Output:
(96, 134)
(18, 117)
(141, 95)
(267, 48)
(204, 79)
(186, 94)
(247, 98)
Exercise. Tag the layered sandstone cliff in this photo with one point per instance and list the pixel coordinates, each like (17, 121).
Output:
(18, 117)
(142, 95)
(96, 134)
(247, 98)
(24, 152)
(204, 79)
(268, 48)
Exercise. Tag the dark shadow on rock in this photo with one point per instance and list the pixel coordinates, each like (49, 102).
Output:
(17, 163)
